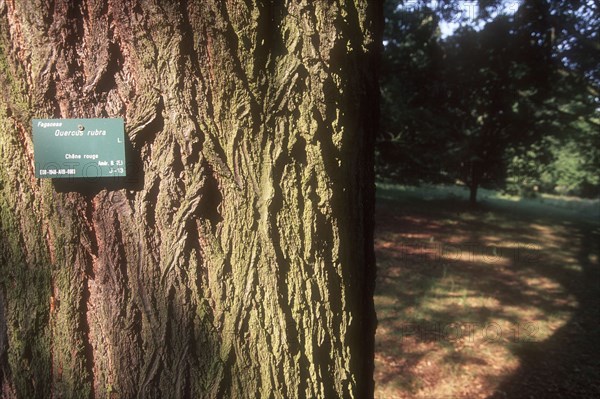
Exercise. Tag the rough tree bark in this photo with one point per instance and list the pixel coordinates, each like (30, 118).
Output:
(236, 259)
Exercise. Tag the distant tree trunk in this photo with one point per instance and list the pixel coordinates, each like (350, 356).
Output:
(474, 181)
(473, 193)
(236, 258)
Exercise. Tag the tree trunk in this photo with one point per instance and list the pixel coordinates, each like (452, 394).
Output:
(473, 193)
(235, 259)
(474, 181)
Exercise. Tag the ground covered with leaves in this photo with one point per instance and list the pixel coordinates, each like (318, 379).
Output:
(498, 301)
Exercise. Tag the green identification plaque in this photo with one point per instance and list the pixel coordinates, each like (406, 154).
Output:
(79, 147)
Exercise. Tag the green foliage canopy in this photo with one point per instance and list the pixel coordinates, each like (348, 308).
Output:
(512, 104)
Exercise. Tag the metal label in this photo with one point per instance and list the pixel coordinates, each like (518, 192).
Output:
(79, 147)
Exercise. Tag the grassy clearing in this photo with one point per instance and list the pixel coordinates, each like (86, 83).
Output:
(500, 301)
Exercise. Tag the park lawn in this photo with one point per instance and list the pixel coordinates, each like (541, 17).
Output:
(492, 302)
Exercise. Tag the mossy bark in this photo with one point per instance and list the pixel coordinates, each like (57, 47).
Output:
(236, 258)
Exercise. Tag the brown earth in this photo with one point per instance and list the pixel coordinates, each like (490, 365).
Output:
(494, 302)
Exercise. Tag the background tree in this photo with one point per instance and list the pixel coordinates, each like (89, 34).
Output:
(412, 89)
(499, 84)
(502, 92)
(236, 259)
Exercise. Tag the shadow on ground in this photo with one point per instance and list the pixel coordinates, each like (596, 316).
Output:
(496, 302)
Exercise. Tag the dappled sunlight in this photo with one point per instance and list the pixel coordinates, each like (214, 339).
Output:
(461, 295)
